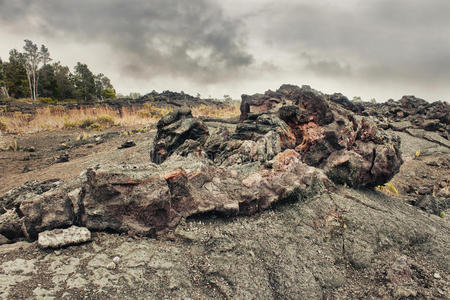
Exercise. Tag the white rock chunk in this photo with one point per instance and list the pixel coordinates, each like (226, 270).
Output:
(62, 237)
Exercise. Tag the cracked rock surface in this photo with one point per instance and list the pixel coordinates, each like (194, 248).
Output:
(347, 244)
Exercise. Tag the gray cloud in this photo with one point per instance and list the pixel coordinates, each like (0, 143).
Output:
(150, 37)
(326, 67)
(408, 39)
(372, 48)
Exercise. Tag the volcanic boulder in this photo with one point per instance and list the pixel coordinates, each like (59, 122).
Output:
(126, 200)
(351, 149)
(175, 129)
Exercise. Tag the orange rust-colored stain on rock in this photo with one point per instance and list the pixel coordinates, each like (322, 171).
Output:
(284, 159)
(311, 133)
(175, 175)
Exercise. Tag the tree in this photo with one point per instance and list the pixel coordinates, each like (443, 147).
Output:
(33, 58)
(45, 57)
(227, 98)
(15, 75)
(3, 89)
(30, 73)
(47, 81)
(65, 88)
(133, 95)
(103, 87)
(84, 82)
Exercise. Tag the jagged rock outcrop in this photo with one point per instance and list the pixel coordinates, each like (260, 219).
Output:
(291, 143)
(149, 199)
(174, 130)
(411, 112)
(346, 103)
(350, 148)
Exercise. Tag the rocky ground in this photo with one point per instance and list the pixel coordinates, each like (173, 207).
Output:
(267, 217)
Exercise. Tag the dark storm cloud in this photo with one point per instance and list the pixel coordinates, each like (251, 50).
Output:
(150, 37)
(408, 39)
(365, 46)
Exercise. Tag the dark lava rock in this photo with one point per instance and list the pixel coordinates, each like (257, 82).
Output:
(127, 144)
(50, 210)
(347, 104)
(432, 204)
(11, 224)
(27, 169)
(13, 198)
(4, 240)
(63, 158)
(352, 150)
(175, 129)
(124, 202)
(415, 111)
(289, 145)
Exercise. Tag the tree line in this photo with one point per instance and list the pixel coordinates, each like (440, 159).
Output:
(30, 74)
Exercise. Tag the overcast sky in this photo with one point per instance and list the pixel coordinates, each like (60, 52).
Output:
(370, 48)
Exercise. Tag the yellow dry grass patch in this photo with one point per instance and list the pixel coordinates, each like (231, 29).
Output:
(216, 111)
(99, 118)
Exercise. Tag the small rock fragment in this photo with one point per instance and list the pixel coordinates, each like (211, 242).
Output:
(63, 237)
(27, 169)
(111, 266)
(437, 275)
(63, 158)
(116, 260)
(127, 144)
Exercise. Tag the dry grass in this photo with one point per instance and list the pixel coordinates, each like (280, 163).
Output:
(58, 117)
(215, 111)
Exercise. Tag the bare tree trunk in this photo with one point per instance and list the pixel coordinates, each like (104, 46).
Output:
(29, 84)
(34, 85)
(4, 92)
(37, 85)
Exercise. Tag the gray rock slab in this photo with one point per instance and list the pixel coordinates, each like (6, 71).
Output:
(62, 237)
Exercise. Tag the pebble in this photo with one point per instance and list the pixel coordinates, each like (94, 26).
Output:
(111, 266)
(116, 260)
(437, 275)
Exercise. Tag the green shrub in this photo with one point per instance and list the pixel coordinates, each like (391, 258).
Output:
(86, 123)
(96, 126)
(109, 93)
(105, 120)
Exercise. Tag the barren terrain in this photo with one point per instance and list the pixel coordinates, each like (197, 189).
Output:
(330, 243)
